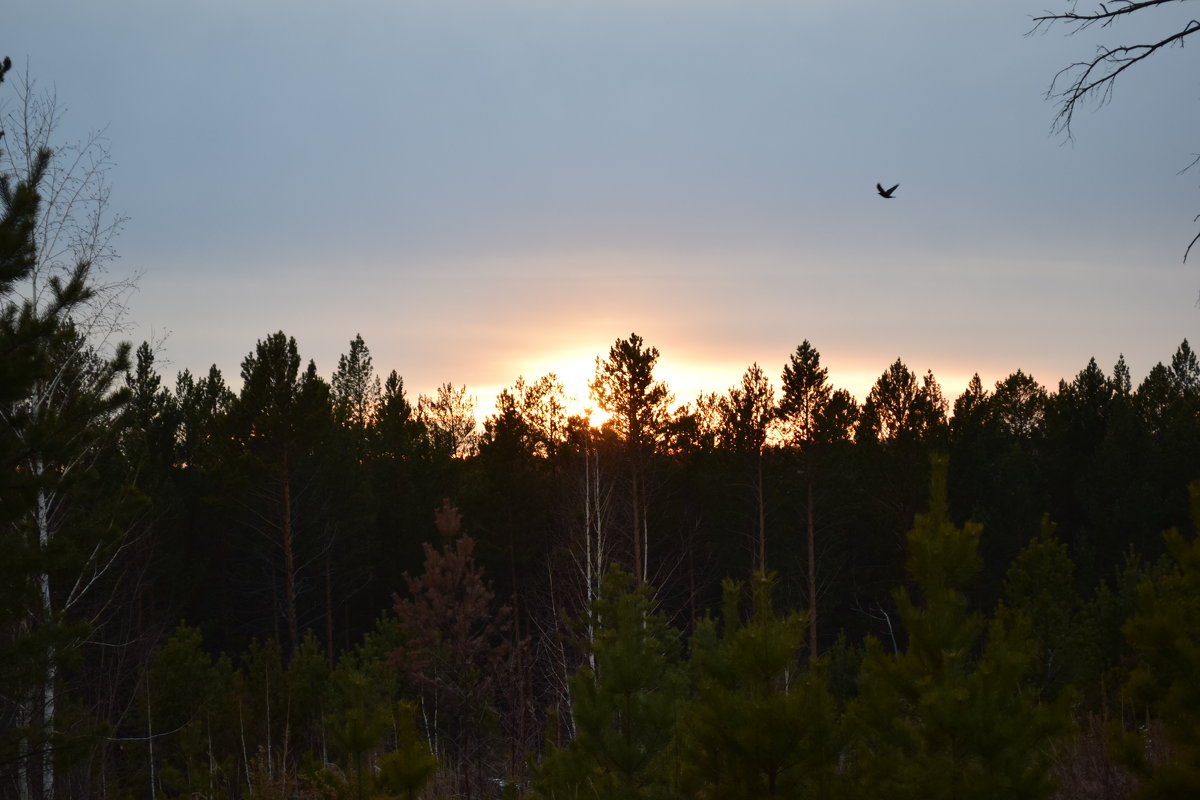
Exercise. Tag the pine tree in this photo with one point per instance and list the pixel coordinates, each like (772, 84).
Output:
(760, 725)
(456, 650)
(356, 389)
(899, 408)
(282, 420)
(62, 519)
(185, 723)
(807, 398)
(625, 387)
(403, 772)
(1040, 585)
(953, 716)
(625, 707)
(449, 419)
(1165, 634)
(748, 411)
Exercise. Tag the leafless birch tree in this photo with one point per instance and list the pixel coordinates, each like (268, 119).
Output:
(60, 320)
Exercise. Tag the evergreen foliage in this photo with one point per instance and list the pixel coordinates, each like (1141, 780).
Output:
(1164, 632)
(455, 651)
(625, 706)
(1040, 585)
(760, 725)
(952, 715)
(65, 504)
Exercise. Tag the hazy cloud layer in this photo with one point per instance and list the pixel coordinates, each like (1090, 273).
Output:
(483, 188)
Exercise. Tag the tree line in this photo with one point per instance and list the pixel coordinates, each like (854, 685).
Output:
(299, 586)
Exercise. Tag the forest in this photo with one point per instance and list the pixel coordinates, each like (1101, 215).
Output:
(297, 584)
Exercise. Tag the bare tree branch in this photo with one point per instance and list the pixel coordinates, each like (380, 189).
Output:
(1095, 78)
(1191, 243)
(1104, 16)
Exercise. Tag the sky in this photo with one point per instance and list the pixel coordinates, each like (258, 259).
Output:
(487, 189)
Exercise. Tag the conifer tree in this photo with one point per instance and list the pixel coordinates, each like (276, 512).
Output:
(403, 772)
(358, 729)
(456, 652)
(283, 420)
(1040, 585)
(760, 725)
(1165, 634)
(625, 387)
(351, 444)
(807, 395)
(901, 408)
(952, 716)
(625, 707)
(449, 419)
(186, 728)
(355, 388)
(61, 521)
(748, 411)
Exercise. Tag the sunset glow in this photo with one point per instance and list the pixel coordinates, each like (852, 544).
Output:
(688, 380)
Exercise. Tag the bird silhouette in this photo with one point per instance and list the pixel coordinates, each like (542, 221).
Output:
(886, 192)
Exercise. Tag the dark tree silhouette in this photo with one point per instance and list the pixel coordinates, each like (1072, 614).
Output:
(748, 412)
(624, 386)
(806, 398)
(456, 650)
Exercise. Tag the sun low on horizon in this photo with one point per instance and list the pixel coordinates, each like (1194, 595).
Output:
(686, 381)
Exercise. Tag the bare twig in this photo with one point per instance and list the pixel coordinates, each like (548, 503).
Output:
(1095, 78)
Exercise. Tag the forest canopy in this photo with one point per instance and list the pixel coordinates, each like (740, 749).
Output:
(298, 572)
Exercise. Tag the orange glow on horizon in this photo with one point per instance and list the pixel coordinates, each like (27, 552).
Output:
(687, 377)
(573, 369)
(576, 368)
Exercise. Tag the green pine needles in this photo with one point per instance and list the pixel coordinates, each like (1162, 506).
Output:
(954, 714)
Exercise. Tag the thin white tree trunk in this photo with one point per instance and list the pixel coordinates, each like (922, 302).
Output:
(762, 516)
(212, 764)
(24, 790)
(49, 688)
(267, 697)
(812, 579)
(245, 752)
(591, 559)
(150, 736)
(645, 547)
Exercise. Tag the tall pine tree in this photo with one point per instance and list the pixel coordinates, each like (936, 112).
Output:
(953, 715)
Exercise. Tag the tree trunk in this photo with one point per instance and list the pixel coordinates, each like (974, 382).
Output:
(49, 689)
(589, 577)
(634, 446)
(812, 577)
(637, 526)
(762, 519)
(517, 751)
(24, 788)
(289, 562)
(328, 611)
(150, 738)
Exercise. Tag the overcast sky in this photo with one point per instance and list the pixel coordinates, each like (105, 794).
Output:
(492, 188)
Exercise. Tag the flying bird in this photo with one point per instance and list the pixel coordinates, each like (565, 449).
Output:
(886, 192)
